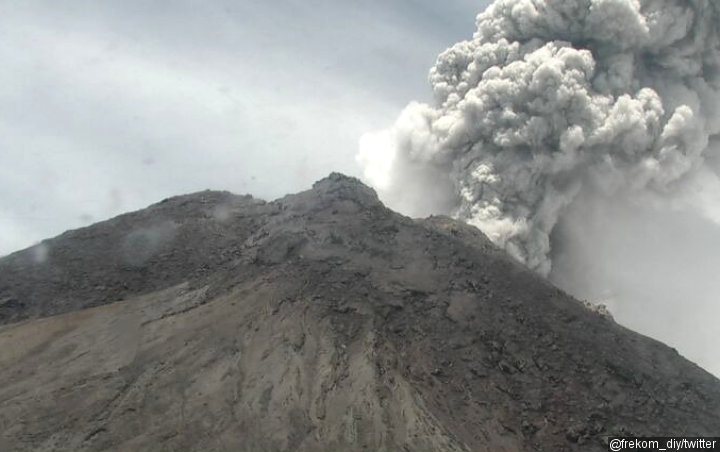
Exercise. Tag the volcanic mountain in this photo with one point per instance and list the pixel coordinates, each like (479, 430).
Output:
(322, 321)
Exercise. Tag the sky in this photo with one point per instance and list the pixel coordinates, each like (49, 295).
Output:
(109, 106)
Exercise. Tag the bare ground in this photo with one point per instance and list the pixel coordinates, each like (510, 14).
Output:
(318, 322)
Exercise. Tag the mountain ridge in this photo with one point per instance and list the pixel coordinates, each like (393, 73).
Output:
(318, 321)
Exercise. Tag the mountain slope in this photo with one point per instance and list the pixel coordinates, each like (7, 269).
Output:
(318, 322)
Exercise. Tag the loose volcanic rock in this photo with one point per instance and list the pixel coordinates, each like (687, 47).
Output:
(321, 321)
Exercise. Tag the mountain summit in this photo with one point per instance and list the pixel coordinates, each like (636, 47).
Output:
(321, 321)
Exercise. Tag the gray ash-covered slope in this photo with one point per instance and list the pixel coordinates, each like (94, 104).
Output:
(318, 322)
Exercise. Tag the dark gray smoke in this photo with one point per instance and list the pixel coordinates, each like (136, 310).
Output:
(557, 105)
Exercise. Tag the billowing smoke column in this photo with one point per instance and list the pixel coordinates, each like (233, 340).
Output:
(550, 99)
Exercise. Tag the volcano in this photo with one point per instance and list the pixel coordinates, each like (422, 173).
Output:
(321, 321)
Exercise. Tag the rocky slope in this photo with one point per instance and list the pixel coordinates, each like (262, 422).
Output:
(321, 321)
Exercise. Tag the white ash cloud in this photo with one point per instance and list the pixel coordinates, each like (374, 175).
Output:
(553, 98)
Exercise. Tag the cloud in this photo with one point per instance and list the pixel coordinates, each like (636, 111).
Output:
(555, 104)
(549, 96)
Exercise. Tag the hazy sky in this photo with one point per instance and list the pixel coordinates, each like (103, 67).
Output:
(108, 106)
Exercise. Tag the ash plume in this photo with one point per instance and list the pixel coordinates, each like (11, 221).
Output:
(556, 101)
(583, 136)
